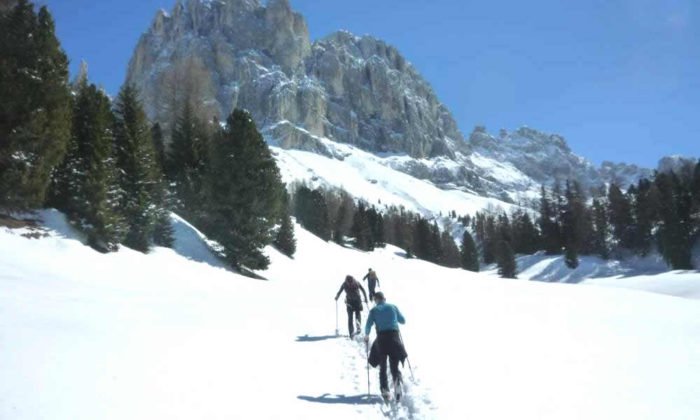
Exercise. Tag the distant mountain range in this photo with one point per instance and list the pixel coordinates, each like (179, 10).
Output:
(344, 88)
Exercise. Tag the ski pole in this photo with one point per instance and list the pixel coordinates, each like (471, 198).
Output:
(367, 358)
(336, 318)
(410, 369)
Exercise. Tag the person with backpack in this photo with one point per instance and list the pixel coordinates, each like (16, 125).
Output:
(353, 302)
(372, 282)
(388, 344)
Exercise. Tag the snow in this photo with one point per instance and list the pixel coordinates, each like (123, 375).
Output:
(169, 335)
(649, 274)
(675, 283)
(370, 177)
(502, 170)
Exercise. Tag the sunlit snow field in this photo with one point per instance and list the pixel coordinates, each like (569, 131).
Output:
(168, 335)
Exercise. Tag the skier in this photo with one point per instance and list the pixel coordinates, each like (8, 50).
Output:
(353, 302)
(372, 282)
(387, 318)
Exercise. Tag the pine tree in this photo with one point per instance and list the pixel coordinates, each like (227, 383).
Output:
(490, 240)
(468, 253)
(684, 206)
(343, 220)
(85, 185)
(695, 193)
(164, 233)
(504, 228)
(140, 181)
(645, 205)
(437, 251)
(549, 227)
(186, 161)
(451, 256)
(571, 257)
(422, 240)
(573, 224)
(285, 241)
(320, 223)
(376, 225)
(244, 192)
(400, 227)
(526, 238)
(505, 258)
(601, 230)
(620, 217)
(361, 229)
(302, 205)
(311, 211)
(159, 146)
(675, 227)
(480, 226)
(35, 105)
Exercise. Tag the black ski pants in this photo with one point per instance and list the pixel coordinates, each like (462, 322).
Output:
(395, 372)
(389, 346)
(354, 311)
(371, 285)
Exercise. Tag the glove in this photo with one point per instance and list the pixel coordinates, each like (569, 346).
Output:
(336, 298)
(367, 339)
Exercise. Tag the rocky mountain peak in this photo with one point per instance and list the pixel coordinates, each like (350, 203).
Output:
(358, 90)
(243, 53)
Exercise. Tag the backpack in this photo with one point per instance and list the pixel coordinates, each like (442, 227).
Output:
(352, 290)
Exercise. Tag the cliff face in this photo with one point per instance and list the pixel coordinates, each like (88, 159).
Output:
(242, 53)
(343, 88)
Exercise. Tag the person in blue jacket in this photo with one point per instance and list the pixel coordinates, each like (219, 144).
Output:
(386, 318)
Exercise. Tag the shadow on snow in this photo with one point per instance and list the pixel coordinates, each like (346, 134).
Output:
(363, 399)
(311, 339)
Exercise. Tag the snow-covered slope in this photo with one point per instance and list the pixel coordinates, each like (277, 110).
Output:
(649, 273)
(125, 335)
(372, 178)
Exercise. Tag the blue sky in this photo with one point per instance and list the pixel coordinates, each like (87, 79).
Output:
(620, 79)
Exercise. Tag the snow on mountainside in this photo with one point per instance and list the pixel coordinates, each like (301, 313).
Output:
(371, 178)
(348, 89)
(164, 335)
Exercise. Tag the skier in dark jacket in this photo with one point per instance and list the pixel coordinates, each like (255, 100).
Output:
(372, 282)
(353, 302)
(387, 318)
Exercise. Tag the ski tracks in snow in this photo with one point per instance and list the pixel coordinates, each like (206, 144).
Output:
(415, 403)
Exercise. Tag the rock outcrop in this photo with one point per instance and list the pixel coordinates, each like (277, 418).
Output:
(242, 53)
(357, 90)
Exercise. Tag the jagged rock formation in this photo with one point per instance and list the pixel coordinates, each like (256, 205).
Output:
(623, 174)
(242, 53)
(356, 90)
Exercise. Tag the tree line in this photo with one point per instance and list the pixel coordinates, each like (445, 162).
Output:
(334, 215)
(661, 214)
(102, 162)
